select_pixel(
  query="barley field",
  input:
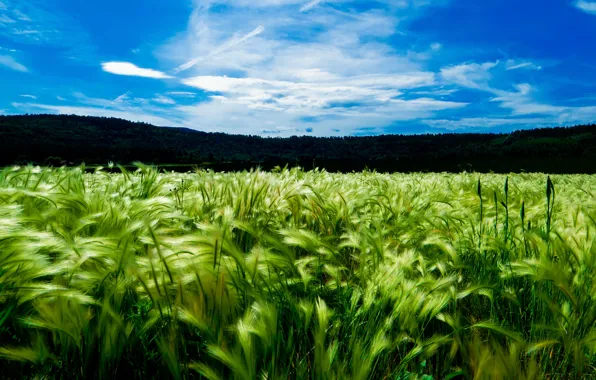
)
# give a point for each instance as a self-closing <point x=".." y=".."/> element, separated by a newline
<point x="296" y="275"/>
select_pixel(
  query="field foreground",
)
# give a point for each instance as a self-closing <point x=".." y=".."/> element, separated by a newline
<point x="296" y="274"/>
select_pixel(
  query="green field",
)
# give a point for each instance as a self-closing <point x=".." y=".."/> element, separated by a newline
<point x="293" y="275"/>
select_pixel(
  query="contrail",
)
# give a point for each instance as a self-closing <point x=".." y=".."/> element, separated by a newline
<point x="310" y="5"/>
<point x="232" y="43"/>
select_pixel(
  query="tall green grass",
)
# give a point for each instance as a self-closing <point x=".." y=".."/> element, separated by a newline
<point x="296" y="274"/>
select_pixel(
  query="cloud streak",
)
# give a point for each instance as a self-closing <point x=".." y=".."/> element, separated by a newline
<point x="163" y="100"/>
<point x="310" y="5"/>
<point x="11" y="63"/>
<point x="515" y="65"/>
<point x="227" y="46"/>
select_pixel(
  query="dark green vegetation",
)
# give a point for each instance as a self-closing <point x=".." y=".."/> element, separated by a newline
<point x="296" y="275"/>
<point x="51" y="140"/>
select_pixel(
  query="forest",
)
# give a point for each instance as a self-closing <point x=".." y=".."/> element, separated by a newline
<point x="55" y="140"/>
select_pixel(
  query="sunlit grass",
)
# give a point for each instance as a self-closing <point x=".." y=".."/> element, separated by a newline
<point x="296" y="274"/>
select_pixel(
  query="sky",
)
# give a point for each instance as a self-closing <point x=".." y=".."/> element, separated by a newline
<point x="304" y="67"/>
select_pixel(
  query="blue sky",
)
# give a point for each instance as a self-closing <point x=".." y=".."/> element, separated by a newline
<point x="296" y="67"/>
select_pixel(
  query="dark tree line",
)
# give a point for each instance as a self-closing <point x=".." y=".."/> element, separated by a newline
<point x="59" y="139"/>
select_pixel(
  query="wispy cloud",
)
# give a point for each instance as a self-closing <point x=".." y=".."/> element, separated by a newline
<point x="471" y="75"/>
<point x="4" y="19"/>
<point x="224" y="47"/>
<point x="28" y="96"/>
<point x="294" y="67"/>
<point x="133" y="115"/>
<point x="11" y="63"/>
<point x="251" y="3"/>
<point x="122" y="98"/>
<point x="33" y="22"/>
<point x="521" y="102"/>
<point x="129" y="69"/>
<point x="124" y="106"/>
<point x="487" y="123"/>
<point x="586" y="6"/>
<point x="163" y="100"/>
<point x="346" y="101"/>
<point x="185" y="94"/>
<point x="21" y="16"/>
<point x="436" y="92"/>
<point x="310" y="5"/>
<point x="335" y="67"/>
<point x="512" y="64"/>
<point x="341" y="95"/>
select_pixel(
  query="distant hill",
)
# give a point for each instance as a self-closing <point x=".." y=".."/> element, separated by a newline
<point x="55" y="139"/>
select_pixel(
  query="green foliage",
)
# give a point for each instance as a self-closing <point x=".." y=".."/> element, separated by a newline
<point x="293" y="274"/>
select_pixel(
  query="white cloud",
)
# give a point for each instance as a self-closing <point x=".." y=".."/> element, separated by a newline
<point x="521" y="102"/>
<point x="129" y="69"/>
<point x="310" y="5"/>
<point x="122" y="98"/>
<point x="515" y="65"/>
<point x="205" y="4"/>
<point x="487" y="123"/>
<point x="349" y="102"/>
<point x="21" y="16"/>
<point x="586" y="6"/>
<point x="32" y="22"/>
<point x="99" y="112"/>
<point x="552" y="118"/>
<point x="329" y="41"/>
<point x="334" y="66"/>
<point x="29" y="96"/>
<point x="163" y="100"/>
<point x="11" y="63"/>
<point x="472" y="75"/>
<point x="437" y="92"/>
<point x="230" y="44"/>
<point x="60" y="98"/>
<point x="184" y="94"/>
<point x="124" y="107"/>
<point x="312" y="98"/>
<point x="399" y="4"/>
<point x="4" y="19"/>
<point x="225" y="115"/>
